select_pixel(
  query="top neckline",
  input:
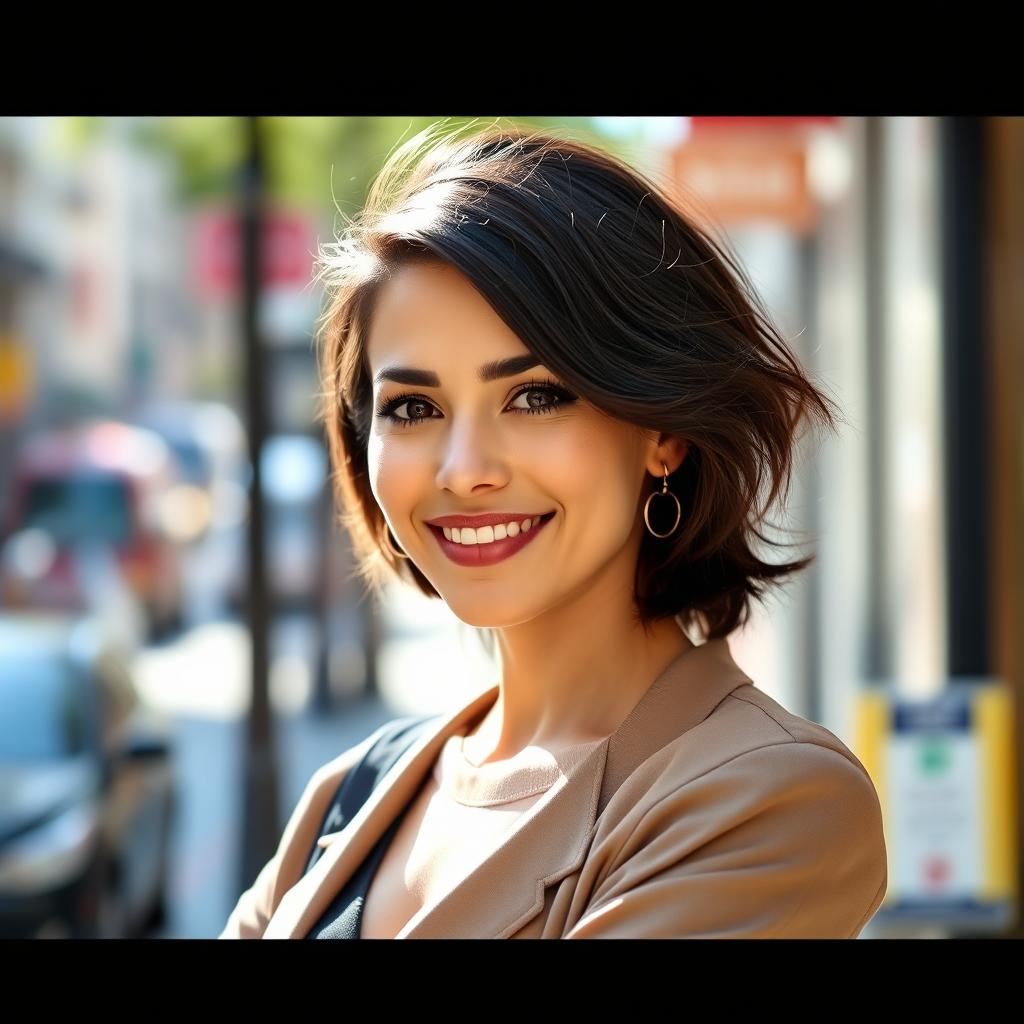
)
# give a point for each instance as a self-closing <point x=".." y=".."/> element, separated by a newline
<point x="532" y="771"/>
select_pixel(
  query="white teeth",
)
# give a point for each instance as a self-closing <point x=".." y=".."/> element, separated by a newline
<point x="487" y="534"/>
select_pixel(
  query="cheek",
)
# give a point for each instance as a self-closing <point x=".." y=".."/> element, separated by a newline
<point x="586" y="462"/>
<point x="591" y="473"/>
<point x="374" y="458"/>
<point x="393" y="471"/>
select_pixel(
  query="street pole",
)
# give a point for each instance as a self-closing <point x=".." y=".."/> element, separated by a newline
<point x="261" y="824"/>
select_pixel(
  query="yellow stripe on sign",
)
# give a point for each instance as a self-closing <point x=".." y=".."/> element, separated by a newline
<point x="871" y="730"/>
<point x="993" y="716"/>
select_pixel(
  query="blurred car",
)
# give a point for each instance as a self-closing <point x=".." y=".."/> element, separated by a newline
<point x="208" y="441"/>
<point x="87" y="797"/>
<point x="101" y="487"/>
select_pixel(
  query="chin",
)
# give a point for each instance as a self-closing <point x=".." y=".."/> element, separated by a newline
<point x="489" y="615"/>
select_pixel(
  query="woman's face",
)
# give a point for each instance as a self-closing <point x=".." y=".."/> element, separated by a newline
<point x="470" y="446"/>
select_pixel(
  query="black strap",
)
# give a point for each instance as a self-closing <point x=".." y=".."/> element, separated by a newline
<point x="360" y="781"/>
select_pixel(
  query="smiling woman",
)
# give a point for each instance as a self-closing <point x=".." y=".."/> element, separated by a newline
<point x="552" y="401"/>
<point x="516" y="245"/>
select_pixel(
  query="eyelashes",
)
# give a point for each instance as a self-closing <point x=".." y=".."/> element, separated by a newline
<point x="387" y="409"/>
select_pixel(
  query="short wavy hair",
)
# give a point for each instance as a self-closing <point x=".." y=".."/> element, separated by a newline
<point x="625" y="295"/>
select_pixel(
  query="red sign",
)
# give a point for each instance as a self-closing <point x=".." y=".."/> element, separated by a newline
<point x="288" y="244"/>
<point x="726" y="121"/>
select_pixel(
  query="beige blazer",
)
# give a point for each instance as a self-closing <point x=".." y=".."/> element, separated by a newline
<point x="710" y="812"/>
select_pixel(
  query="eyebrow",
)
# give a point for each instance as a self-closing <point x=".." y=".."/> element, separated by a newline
<point x="428" y="379"/>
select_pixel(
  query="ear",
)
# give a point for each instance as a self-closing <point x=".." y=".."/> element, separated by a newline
<point x="667" y="450"/>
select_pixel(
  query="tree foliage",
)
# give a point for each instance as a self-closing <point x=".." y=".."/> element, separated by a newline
<point x="311" y="163"/>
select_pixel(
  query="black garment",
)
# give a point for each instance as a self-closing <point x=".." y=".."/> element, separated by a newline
<point x="343" y="917"/>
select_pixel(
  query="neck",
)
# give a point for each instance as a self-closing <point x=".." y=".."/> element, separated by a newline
<point x="553" y="693"/>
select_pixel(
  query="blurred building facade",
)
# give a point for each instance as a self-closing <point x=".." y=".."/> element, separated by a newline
<point x="31" y="199"/>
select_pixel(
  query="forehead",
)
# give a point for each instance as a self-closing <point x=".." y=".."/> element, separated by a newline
<point x="433" y="311"/>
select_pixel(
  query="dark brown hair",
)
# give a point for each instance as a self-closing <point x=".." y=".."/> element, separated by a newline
<point x="625" y="296"/>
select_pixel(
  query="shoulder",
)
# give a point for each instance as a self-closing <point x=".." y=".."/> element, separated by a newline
<point x="748" y="727"/>
<point x="375" y="752"/>
<point x="753" y="823"/>
<point x="258" y="903"/>
<point x="750" y="754"/>
<point x="372" y="756"/>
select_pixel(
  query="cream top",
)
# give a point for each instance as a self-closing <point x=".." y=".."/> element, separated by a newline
<point x="532" y="772"/>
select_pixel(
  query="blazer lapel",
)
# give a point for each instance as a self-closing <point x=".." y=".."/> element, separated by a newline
<point x="302" y="905"/>
<point x="548" y="841"/>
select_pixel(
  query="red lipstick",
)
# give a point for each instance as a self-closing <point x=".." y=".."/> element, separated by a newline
<point x="472" y="555"/>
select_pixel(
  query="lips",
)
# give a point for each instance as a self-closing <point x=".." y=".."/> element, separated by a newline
<point x="471" y="555"/>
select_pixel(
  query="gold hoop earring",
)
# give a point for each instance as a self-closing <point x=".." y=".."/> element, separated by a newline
<point x="664" y="492"/>
<point x="387" y="540"/>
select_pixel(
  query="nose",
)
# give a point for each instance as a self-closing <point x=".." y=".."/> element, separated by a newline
<point x="471" y="457"/>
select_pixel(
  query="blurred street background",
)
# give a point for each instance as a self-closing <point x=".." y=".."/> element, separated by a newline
<point x="182" y="642"/>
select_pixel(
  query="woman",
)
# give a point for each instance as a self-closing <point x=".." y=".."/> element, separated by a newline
<point x="554" y="402"/>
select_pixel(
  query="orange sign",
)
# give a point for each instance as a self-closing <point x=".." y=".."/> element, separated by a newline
<point x="743" y="177"/>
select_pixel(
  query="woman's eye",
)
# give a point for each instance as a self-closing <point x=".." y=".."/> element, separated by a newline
<point x="554" y="397"/>
<point x="413" y="403"/>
